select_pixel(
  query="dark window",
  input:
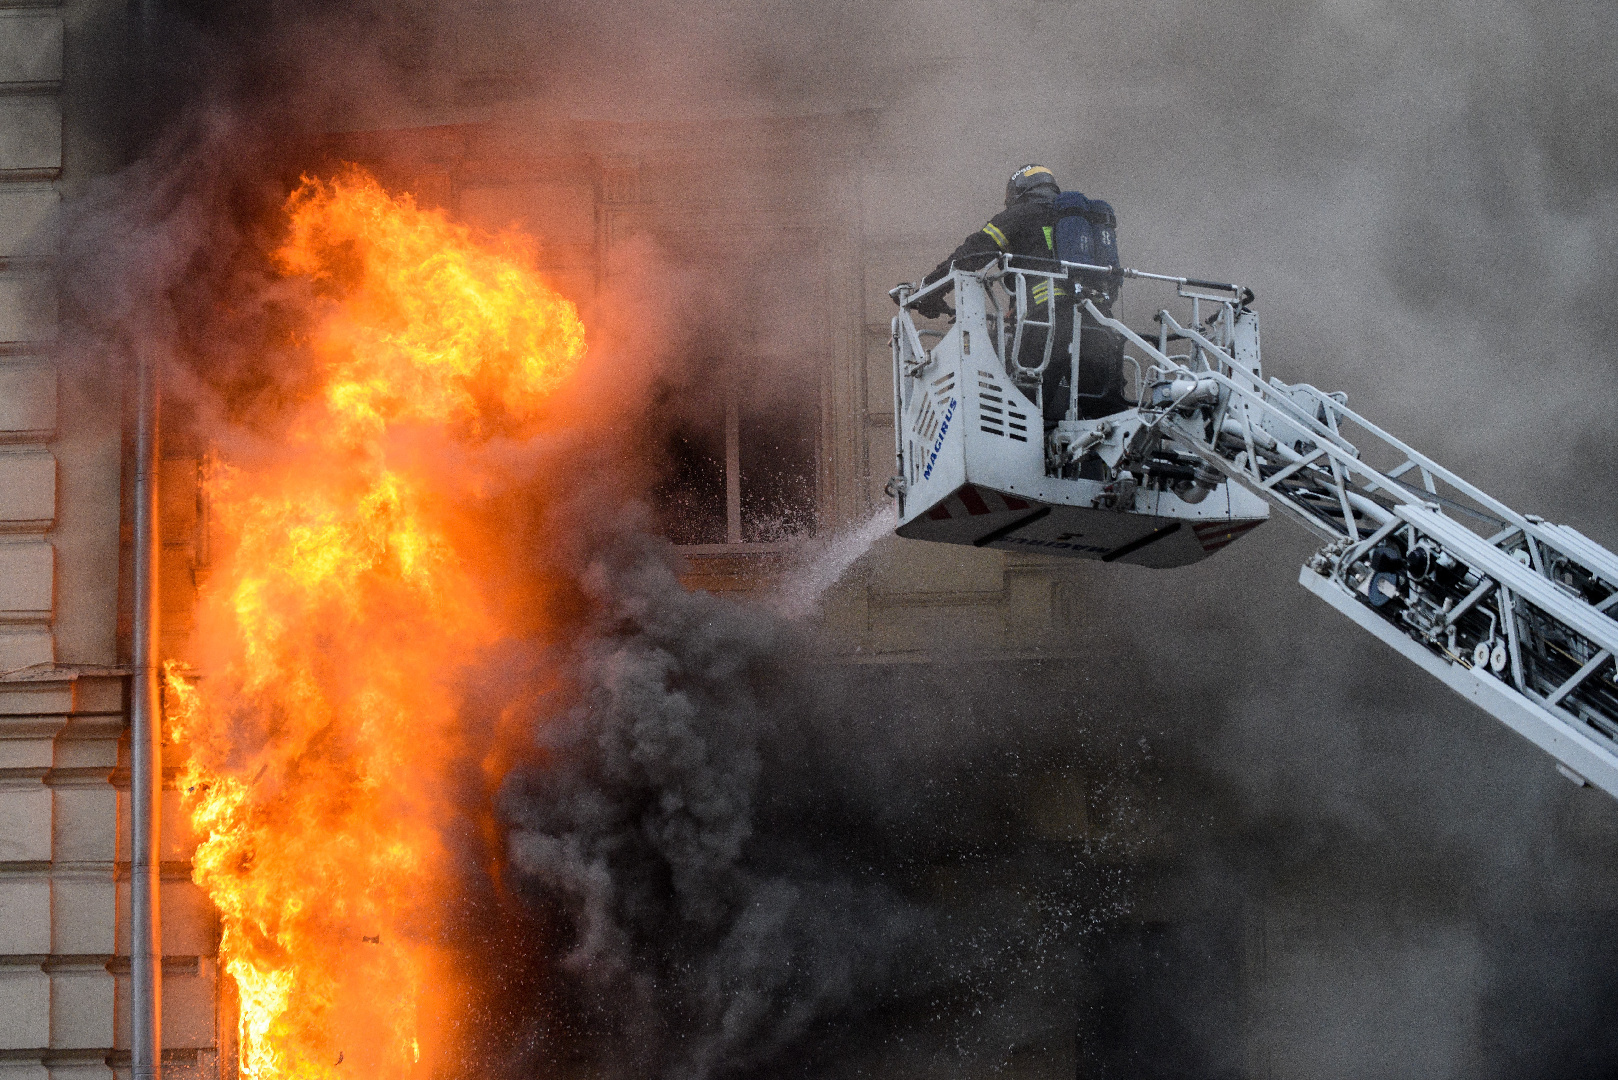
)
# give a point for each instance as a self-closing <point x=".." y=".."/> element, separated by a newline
<point x="737" y="472"/>
<point x="691" y="498"/>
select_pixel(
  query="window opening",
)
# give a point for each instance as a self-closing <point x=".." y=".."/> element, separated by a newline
<point x="739" y="472"/>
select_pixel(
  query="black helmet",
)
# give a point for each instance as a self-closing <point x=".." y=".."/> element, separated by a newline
<point x="1028" y="179"/>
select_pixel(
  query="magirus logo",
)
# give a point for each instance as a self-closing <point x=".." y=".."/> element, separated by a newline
<point x="938" y="442"/>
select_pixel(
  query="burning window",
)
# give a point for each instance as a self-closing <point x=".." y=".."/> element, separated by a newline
<point x="739" y="470"/>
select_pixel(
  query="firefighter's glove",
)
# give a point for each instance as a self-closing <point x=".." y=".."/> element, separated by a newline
<point x="932" y="306"/>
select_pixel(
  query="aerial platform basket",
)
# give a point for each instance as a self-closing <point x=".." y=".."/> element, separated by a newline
<point x="976" y="465"/>
<point x="1516" y="613"/>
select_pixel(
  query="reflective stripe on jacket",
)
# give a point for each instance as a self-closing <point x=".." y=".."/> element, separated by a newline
<point x="1026" y="228"/>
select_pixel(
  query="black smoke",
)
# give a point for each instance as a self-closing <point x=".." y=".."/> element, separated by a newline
<point x="704" y="941"/>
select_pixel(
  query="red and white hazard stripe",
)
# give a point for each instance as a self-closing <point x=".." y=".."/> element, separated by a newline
<point x="972" y="501"/>
<point x="1213" y="535"/>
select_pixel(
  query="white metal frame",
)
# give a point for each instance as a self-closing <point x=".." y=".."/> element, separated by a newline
<point x="1512" y="611"/>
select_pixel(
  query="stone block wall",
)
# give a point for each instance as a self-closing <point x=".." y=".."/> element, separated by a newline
<point x="64" y="900"/>
<point x="64" y="783"/>
<point x="32" y="713"/>
<point x="31" y="50"/>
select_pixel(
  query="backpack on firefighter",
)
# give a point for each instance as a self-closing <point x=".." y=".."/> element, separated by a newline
<point x="1086" y="232"/>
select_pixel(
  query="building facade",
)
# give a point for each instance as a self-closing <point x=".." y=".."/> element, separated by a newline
<point x="66" y="474"/>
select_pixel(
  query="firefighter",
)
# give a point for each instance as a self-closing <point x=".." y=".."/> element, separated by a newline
<point x="1027" y="227"/>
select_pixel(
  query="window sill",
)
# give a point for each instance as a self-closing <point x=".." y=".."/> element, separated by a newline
<point x="776" y="547"/>
<point x="732" y="568"/>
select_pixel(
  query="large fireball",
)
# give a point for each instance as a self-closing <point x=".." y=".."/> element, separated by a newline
<point x="347" y="594"/>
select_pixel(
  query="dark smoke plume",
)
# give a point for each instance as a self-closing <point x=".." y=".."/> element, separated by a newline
<point x="703" y="947"/>
<point x="726" y="858"/>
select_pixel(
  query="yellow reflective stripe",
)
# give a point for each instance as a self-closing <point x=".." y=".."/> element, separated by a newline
<point x="995" y="234"/>
<point x="1050" y="244"/>
<point x="1041" y="291"/>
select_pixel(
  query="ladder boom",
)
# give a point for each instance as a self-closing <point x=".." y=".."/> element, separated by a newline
<point x="1511" y="611"/>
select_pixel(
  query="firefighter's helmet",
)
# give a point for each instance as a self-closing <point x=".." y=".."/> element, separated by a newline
<point x="1028" y="179"/>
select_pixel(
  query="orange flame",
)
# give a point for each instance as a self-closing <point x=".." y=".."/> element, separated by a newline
<point x="348" y="596"/>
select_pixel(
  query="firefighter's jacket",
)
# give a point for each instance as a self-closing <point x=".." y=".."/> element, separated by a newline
<point x="1027" y="227"/>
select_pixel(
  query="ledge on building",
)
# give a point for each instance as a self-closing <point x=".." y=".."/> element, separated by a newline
<point x="61" y="673"/>
<point x="733" y="568"/>
<point x="30" y="695"/>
